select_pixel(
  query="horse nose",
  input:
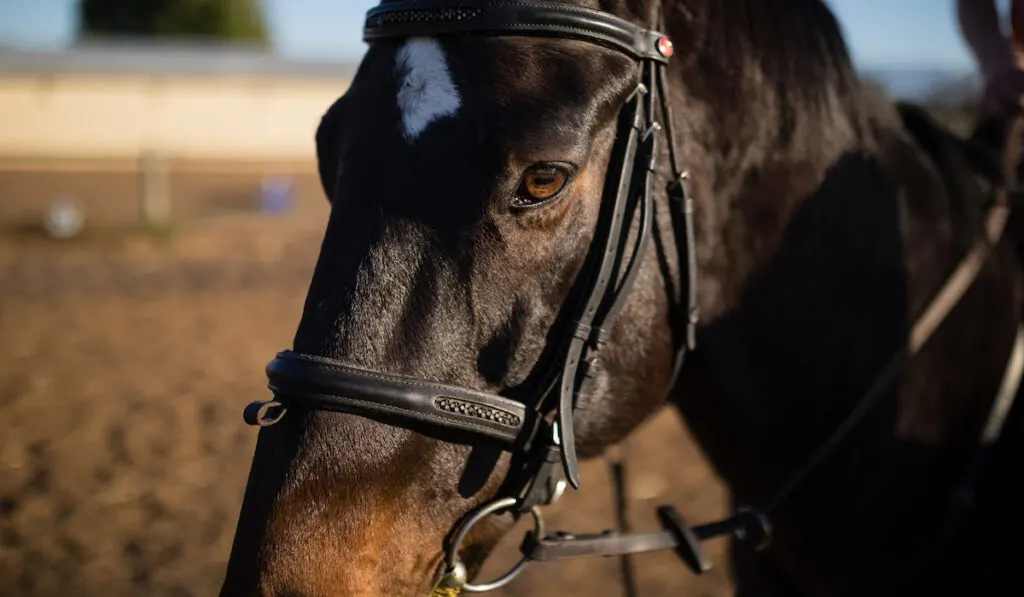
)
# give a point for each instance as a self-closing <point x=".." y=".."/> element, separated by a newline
<point x="323" y="521"/>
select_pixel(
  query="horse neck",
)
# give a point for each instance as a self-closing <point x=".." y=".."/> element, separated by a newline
<point x="749" y="175"/>
<point x="804" y="241"/>
<point x="757" y="161"/>
<point x="765" y="108"/>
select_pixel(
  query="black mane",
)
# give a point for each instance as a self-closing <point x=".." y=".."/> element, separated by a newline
<point x="787" y="58"/>
<point x="797" y="44"/>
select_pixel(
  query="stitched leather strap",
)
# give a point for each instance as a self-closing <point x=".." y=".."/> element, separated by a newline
<point x="404" y="18"/>
<point x="607" y="245"/>
<point x="676" y="534"/>
<point x="323" y="384"/>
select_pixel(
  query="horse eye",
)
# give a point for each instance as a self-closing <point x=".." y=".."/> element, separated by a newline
<point x="541" y="182"/>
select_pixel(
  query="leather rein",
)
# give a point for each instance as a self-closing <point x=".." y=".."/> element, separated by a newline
<point x="541" y="436"/>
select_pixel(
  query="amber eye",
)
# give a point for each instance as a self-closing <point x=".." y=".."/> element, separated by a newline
<point x="541" y="182"/>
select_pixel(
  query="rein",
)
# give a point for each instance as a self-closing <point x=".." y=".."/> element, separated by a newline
<point x="541" y="435"/>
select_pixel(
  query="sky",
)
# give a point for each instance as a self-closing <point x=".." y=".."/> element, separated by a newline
<point x="881" y="33"/>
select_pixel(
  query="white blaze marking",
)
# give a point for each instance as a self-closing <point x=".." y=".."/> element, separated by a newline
<point x="427" y="93"/>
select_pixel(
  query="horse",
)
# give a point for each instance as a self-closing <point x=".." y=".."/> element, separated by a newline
<point x="549" y="219"/>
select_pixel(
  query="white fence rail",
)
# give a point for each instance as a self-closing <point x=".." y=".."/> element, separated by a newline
<point x="124" y="117"/>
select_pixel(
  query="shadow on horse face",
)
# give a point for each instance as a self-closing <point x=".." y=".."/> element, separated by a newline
<point x="443" y="259"/>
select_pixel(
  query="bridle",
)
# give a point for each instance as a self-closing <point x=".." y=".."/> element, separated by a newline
<point x="540" y="436"/>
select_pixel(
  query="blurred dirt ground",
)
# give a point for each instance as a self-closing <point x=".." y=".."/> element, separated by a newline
<point x="125" y="362"/>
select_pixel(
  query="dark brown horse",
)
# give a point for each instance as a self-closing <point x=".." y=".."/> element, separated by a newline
<point x="468" y="177"/>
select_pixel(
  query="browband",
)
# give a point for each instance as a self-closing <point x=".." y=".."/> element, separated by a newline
<point x="407" y="18"/>
<point x="325" y="384"/>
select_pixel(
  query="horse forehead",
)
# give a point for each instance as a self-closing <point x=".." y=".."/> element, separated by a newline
<point x="426" y="91"/>
<point x="517" y="78"/>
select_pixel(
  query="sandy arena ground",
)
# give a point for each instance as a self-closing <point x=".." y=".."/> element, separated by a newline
<point x="126" y="360"/>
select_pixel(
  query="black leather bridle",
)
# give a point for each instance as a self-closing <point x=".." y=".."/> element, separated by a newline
<point x="540" y="436"/>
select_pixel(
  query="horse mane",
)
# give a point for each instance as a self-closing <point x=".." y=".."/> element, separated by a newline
<point x="843" y="213"/>
<point x="786" y="56"/>
<point x="781" y="35"/>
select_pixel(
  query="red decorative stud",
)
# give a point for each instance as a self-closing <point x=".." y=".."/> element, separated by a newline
<point x="666" y="47"/>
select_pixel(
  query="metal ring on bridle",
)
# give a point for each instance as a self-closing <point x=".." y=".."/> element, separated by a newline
<point x="455" y="573"/>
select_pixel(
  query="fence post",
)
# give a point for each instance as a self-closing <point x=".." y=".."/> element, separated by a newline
<point x="155" y="194"/>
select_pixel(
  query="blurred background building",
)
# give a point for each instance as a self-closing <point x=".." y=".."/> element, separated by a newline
<point x="145" y="102"/>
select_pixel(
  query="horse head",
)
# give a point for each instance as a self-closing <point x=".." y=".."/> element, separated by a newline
<point x="507" y="279"/>
<point x="471" y="180"/>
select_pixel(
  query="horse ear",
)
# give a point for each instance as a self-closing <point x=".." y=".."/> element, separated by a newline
<point x="328" y="136"/>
